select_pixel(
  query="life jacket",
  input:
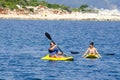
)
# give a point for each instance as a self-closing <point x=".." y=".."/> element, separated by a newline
<point x="53" y="52"/>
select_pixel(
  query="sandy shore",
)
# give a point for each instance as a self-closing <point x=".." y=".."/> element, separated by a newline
<point x="101" y="16"/>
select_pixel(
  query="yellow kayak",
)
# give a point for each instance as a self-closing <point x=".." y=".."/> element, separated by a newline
<point x="92" y="56"/>
<point x="57" y="59"/>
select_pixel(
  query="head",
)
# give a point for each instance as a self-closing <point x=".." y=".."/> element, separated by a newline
<point x="52" y="43"/>
<point x="91" y="45"/>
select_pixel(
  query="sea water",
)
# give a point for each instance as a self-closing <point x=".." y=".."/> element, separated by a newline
<point x="23" y="43"/>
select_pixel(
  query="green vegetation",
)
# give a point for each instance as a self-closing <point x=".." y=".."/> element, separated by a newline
<point x="83" y="8"/>
<point x="54" y="6"/>
<point x="12" y="4"/>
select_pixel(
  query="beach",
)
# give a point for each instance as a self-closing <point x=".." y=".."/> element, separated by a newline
<point x="101" y="15"/>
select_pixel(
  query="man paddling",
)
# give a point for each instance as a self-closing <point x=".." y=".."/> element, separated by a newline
<point x="91" y="50"/>
<point x="54" y="51"/>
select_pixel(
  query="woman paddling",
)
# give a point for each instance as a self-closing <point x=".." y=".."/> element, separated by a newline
<point x="54" y="51"/>
<point x="91" y="50"/>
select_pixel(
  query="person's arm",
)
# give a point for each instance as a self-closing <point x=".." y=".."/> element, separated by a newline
<point x="51" y="48"/>
<point x="60" y="53"/>
<point x="97" y="52"/>
<point x="86" y="53"/>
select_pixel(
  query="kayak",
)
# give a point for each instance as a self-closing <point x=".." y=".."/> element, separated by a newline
<point x="92" y="56"/>
<point x="67" y="58"/>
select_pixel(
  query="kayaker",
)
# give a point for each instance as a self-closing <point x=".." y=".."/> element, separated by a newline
<point x="91" y="50"/>
<point x="54" y="51"/>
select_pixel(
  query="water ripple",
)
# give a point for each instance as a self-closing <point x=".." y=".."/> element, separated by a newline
<point x="22" y="44"/>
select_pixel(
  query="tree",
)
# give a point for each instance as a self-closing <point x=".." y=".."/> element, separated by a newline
<point x="64" y="7"/>
<point x="83" y="7"/>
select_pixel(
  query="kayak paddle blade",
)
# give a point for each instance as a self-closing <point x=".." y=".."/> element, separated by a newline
<point x="75" y="52"/>
<point x="48" y="36"/>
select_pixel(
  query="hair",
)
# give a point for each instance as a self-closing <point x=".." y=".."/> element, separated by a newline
<point x="53" y="42"/>
<point x="92" y="43"/>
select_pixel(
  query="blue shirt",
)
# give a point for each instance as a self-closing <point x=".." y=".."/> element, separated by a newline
<point x="53" y="52"/>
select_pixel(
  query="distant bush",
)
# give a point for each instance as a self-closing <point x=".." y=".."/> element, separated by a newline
<point x="31" y="10"/>
<point x="83" y="7"/>
<point x="12" y="3"/>
<point x="9" y="5"/>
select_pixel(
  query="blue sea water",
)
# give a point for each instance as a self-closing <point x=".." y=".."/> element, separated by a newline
<point x="23" y="43"/>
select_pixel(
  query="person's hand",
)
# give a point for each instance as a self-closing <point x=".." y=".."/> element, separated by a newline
<point x="62" y="53"/>
<point x="55" y="45"/>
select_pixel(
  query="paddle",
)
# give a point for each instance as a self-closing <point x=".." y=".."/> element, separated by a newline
<point x="49" y="37"/>
<point x="75" y="52"/>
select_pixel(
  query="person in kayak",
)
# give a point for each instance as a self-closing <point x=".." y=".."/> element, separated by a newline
<point x="54" y="51"/>
<point x="91" y="50"/>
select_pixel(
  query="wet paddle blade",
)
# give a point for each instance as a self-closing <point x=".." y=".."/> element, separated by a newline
<point x="48" y="36"/>
<point x="75" y="52"/>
